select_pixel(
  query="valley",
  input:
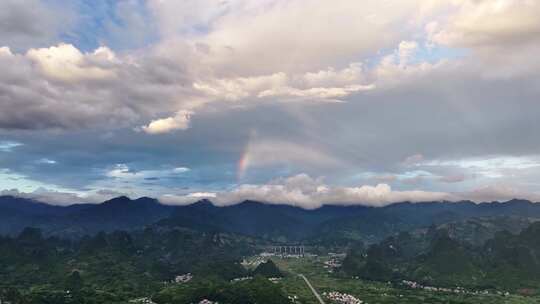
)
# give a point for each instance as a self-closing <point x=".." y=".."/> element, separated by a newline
<point x="375" y="292"/>
<point x="435" y="253"/>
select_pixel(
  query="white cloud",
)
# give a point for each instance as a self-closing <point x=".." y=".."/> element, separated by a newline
<point x="325" y="94"/>
<point x="225" y="62"/>
<point x="63" y="198"/>
<point x="406" y="50"/>
<point x="122" y="171"/>
<point x="8" y="146"/>
<point x="5" y="51"/>
<point x="254" y="38"/>
<point x="241" y="87"/>
<point x="489" y="167"/>
<point x="493" y="162"/>
<point x="305" y="192"/>
<point x="501" y="23"/>
<point x="122" y="178"/>
<point x="300" y="191"/>
<point x="179" y="17"/>
<point x="164" y="125"/>
<point x="61" y="87"/>
<point x="181" y="170"/>
<point x="500" y="192"/>
<point x="171" y="199"/>
<point x="311" y="193"/>
<point x="65" y="62"/>
<point x="46" y="161"/>
<point x="322" y="85"/>
<point x="501" y="35"/>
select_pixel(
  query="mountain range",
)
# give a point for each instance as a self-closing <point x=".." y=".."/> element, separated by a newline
<point x="328" y="224"/>
<point x="437" y="257"/>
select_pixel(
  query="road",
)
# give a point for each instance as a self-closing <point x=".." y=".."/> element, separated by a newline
<point x="315" y="293"/>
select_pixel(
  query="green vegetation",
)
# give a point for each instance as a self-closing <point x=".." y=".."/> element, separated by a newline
<point x="484" y="258"/>
<point x="374" y="292"/>
<point x="111" y="268"/>
<point x="268" y="269"/>
<point x="256" y="290"/>
<point x="506" y="262"/>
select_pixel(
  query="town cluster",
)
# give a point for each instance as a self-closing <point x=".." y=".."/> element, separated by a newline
<point x="184" y="278"/>
<point x="341" y="298"/>
<point x="254" y="262"/>
<point x="142" y="301"/>
<point x="415" y="285"/>
<point x="332" y="263"/>
<point x="241" y="279"/>
<point x="205" y="301"/>
<point x="149" y="301"/>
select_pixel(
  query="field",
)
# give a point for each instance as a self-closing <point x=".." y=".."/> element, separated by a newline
<point x="371" y="292"/>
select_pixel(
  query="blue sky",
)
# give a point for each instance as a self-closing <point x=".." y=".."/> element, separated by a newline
<point x="298" y="102"/>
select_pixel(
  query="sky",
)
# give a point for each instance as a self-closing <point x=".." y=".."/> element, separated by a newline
<point x="302" y="102"/>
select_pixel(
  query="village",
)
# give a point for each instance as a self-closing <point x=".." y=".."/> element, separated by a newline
<point x="341" y="298"/>
<point x="294" y="259"/>
<point x="457" y="290"/>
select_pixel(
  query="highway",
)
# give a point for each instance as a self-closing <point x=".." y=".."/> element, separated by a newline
<point x="315" y="293"/>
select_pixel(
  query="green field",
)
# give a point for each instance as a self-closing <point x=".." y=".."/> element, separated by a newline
<point x="371" y="292"/>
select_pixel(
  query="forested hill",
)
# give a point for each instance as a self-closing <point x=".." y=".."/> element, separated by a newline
<point x="437" y="258"/>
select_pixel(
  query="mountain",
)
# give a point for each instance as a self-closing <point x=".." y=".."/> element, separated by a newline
<point x="478" y="230"/>
<point x="506" y="261"/>
<point x="374" y="224"/>
<point x="120" y="213"/>
<point x="17" y="213"/>
<point x="113" y="267"/>
<point x="328" y="225"/>
<point x="268" y="269"/>
<point x="123" y="247"/>
<point x="252" y="218"/>
<point x="448" y="262"/>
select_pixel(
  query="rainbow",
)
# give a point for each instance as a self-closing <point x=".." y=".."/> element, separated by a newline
<point x="243" y="164"/>
<point x="246" y="158"/>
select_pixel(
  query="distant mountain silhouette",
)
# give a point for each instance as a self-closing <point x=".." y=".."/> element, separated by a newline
<point x="333" y="224"/>
<point x="120" y="213"/>
<point x="17" y="213"/>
